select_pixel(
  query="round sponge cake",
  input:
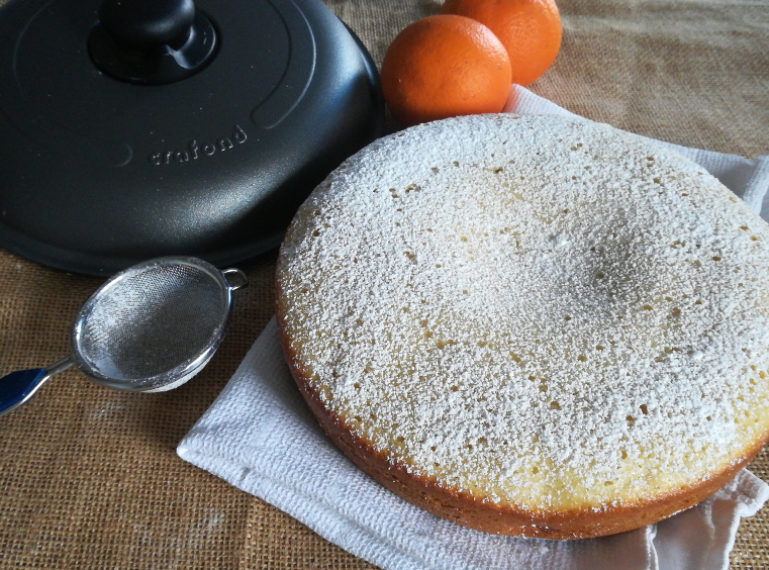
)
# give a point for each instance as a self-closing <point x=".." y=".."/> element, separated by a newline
<point x="534" y="325"/>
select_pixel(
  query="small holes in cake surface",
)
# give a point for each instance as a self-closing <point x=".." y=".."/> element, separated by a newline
<point x="600" y="357"/>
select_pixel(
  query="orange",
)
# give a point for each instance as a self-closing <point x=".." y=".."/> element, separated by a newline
<point x="442" y="66"/>
<point x="529" y="29"/>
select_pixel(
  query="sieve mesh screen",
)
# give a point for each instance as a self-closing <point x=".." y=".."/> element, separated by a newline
<point x="157" y="321"/>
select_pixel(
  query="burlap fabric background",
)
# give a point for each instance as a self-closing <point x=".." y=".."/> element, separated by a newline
<point x="88" y="475"/>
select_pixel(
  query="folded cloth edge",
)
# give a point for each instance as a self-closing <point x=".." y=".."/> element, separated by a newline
<point x="203" y="447"/>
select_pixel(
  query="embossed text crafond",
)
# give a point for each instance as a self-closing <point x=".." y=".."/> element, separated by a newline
<point x="195" y="150"/>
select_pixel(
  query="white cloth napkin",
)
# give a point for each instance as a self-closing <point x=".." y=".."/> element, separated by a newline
<point x="259" y="436"/>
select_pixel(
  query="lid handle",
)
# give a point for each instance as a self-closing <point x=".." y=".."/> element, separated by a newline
<point x="151" y="41"/>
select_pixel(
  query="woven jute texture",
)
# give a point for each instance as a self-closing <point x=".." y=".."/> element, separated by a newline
<point x="88" y="475"/>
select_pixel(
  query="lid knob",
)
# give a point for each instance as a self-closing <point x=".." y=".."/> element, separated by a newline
<point x="146" y="24"/>
<point x="151" y="41"/>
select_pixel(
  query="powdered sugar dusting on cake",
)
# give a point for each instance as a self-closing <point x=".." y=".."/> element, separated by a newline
<point x="537" y="310"/>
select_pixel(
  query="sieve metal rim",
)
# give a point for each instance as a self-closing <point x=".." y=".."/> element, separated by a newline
<point x="185" y="370"/>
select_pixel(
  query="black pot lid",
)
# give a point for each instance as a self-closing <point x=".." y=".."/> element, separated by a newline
<point x="120" y="140"/>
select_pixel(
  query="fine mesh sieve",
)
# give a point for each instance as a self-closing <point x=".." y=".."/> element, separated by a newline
<point x="149" y="328"/>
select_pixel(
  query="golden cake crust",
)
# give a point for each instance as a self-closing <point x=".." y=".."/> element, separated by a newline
<point x="466" y="510"/>
<point x="603" y="456"/>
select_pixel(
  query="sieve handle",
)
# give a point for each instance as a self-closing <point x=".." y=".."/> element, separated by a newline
<point x="18" y="387"/>
<point x="236" y="278"/>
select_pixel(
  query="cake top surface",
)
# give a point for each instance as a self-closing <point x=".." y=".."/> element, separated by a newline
<point x="536" y="310"/>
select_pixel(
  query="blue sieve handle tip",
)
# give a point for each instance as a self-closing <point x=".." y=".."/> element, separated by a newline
<point x="17" y="387"/>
